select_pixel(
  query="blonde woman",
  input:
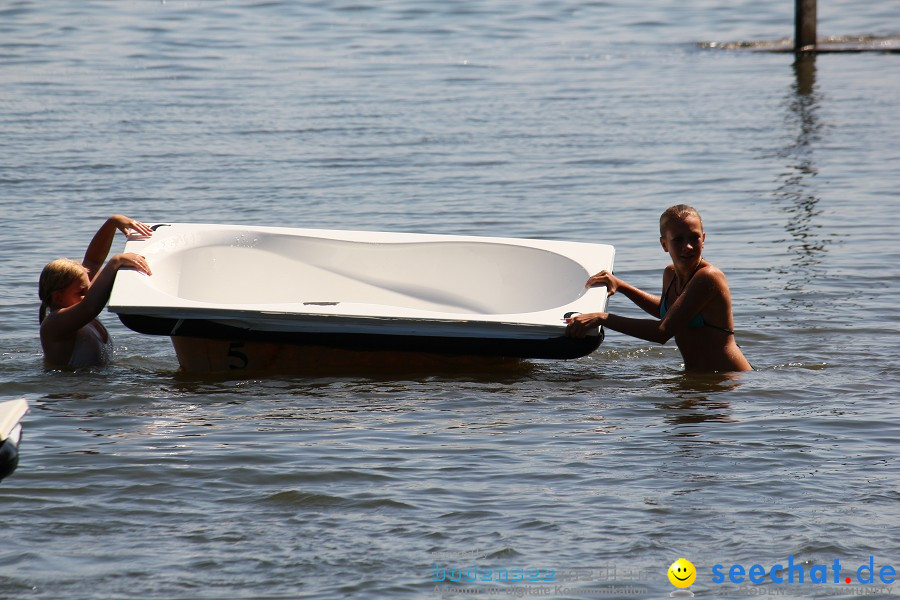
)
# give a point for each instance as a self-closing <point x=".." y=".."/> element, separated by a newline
<point x="72" y="295"/>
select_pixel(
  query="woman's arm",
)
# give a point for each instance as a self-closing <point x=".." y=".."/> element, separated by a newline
<point x="646" y="302"/>
<point x="66" y="321"/>
<point x="645" y="329"/>
<point x="698" y="293"/>
<point x="102" y="241"/>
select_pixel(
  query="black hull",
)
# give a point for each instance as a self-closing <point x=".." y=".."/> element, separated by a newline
<point x="548" y="348"/>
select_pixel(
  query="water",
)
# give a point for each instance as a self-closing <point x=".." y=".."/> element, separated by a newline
<point x="548" y="119"/>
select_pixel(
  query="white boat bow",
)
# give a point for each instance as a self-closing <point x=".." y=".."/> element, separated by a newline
<point x="11" y="413"/>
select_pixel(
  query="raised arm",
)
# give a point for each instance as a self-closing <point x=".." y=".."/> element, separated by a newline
<point x="646" y="302"/>
<point x="66" y="321"/>
<point x="102" y="241"/>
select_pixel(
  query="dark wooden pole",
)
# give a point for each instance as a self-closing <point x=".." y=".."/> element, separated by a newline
<point x="804" y="25"/>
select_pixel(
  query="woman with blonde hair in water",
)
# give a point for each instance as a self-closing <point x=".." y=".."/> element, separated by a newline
<point x="695" y="306"/>
<point x="75" y="293"/>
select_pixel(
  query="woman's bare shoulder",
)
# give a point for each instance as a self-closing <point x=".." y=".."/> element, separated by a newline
<point x="63" y="324"/>
<point x="712" y="276"/>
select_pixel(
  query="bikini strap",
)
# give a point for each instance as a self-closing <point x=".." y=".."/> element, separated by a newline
<point x="728" y="331"/>
<point x="665" y="297"/>
<point x="675" y="277"/>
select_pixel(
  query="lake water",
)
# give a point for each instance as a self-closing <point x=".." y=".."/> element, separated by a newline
<point x="548" y="119"/>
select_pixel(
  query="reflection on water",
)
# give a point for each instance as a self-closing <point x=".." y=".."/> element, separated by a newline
<point x="796" y="192"/>
<point x="691" y="411"/>
<point x="693" y="398"/>
<point x="701" y="385"/>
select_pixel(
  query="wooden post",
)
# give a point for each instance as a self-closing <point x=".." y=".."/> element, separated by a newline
<point x="804" y="25"/>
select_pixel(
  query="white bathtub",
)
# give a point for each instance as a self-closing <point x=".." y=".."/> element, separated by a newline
<point x="363" y="290"/>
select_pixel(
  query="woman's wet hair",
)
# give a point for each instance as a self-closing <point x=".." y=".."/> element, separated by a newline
<point x="56" y="276"/>
<point x="679" y="211"/>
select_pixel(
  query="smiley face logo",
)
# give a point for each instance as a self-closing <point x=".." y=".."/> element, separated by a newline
<point x="682" y="573"/>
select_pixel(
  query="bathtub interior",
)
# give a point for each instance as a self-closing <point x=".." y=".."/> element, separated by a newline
<point x="462" y="277"/>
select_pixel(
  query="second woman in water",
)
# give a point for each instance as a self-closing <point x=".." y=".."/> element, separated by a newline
<point x="72" y="295"/>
